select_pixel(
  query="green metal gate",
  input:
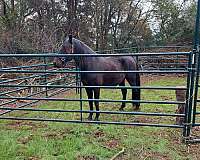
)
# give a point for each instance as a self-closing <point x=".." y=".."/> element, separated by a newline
<point x="192" y="101"/>
<point x="193" y="110"/>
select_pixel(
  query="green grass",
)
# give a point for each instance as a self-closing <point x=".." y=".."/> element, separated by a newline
<point x="21" y="140"/>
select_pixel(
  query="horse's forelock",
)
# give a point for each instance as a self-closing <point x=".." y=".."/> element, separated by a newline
<point x="66" y="41"/>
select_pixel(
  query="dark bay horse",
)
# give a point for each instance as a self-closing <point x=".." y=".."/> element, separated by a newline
<point x="86" y="63"/>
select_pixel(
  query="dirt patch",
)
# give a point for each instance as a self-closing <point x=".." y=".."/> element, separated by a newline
<point x="25" y="124"/>
<point x="141" y="154"/>
<point x="156" y="155"/>
<point x="145" y="120"/>
<point x="166" y="98"/>
<point x="33" y="158"/>
<point x="112" y="144"/>
<point x="8" y="105"/>
<point x="90" y="157"/>
<point x="196" y="129"/>
<point x="56" y="134"/>
<point x="99" y="134"/>
<point x="25" y="140"/>
<point x="194" y="150"/>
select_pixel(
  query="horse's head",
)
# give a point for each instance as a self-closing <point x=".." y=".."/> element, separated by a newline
<point x="66" y="48"/>
<point x="71" y="46"/>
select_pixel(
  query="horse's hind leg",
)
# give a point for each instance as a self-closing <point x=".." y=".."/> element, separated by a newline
<point x="96" y="96"/>
<point x="134" y="80"/>
<point x="124" y="93"/>
<point x="136" y="96"/>
<point x="90" y="96"/>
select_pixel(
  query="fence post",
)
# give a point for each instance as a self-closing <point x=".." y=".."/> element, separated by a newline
<point x="196" y="87"/>
<point x="188" y="99"/>
<point x="196" y="60"/>
<point x="45" y="76"/>
<point x="180" y="96"/>
<point x="190" y="96"/>
<point x="191" y="79"/>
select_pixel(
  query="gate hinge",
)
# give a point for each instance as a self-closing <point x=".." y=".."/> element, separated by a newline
<point x="191" y="69"/>
<point x="191" y="140"/>
<point x="186" y="140"/>
<point x="188" y="124"/>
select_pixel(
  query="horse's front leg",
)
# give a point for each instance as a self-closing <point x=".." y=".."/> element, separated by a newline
<point x="96" y="96"/>
<point x="89" y="92"/>
<point x="124" y="93"/>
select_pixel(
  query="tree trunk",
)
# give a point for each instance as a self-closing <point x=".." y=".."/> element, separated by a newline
<point x="73" y="26"/>
<point x="3" y="8"/>
<point x="12" y="2"/>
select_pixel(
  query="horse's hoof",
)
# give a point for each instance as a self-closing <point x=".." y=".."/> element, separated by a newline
<point x="136" y="109"/>
<point x="96" y="119"/>
<point x="89" y="118"/>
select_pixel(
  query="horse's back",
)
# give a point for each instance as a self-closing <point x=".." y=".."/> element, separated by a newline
<point x="128" y="62"/>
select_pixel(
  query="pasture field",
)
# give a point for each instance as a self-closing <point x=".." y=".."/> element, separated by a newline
<point x="25" y="140"/>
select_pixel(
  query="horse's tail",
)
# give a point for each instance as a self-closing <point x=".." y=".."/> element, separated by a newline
<point x="137" y="76"/>
<point x="137" y="92"/>
<point x="134" y="80"/>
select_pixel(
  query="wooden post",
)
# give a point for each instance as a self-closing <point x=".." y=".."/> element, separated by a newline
<point x="180" y="96"/>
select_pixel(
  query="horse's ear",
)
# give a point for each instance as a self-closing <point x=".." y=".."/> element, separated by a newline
<point x="70" y="39"/>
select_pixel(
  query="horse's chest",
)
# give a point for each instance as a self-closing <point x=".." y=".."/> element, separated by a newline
<point x="92" y="79"/>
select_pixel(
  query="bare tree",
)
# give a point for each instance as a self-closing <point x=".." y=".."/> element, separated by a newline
<point x="42" y="24"/>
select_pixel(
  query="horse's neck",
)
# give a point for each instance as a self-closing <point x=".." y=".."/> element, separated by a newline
<point x="83" y="48"/>
<point x="83" y="61"/>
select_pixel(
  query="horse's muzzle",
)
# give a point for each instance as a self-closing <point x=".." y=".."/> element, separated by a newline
<point x="55" y="64"/>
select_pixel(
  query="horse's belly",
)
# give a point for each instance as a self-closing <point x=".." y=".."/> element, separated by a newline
<point x="113" y="79"/>
<point x="107" y="79"/>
